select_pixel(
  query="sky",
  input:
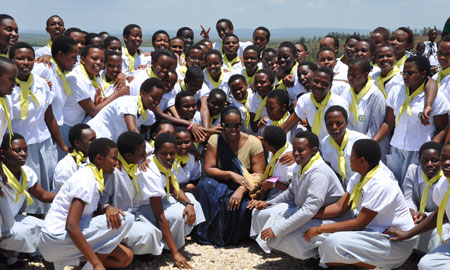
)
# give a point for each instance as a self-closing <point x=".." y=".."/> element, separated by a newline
<point x="113" y="15"/>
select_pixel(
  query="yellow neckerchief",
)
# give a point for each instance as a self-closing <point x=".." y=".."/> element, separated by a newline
<point x="356" y="192"/>
<point x="442" y="74"/>
<point x="6" y="55"/>
<point x="400" y="62"/>
<point x="308" y="165"/>
<point x="183" y="69"/>
<point x="340" y="150"/>
<point x="262" y="105"/>
<point x="281" y="121"/>
<point x="130" y="169"/>
<point x="408" y="100"/>
<point x="357" y="97"/>
<point x="181" y="161"/>
<point x="152" y="143"/>
<point x="280" y="83"/>
<point x="232" y="62"/>
<point x="151" y="73"/>
<point x="441" y="211"/>
<point x="25" y="93"/>
<point x="317" y="123"/>
<point x="79" y="157"/>
<point x="182" y="58"/>
<point x="141" y="110"/>
<point x="5" y="106"/>
<point x="213" y="118"/>
<point x="268" y="172"/>
<point x="62" y="76"/>
<point x="250" y="79"/>
<point x="429" y="182"/>
<point x="170" y="177"/>
<point x="183" y="85"/>
<point x="98" y="175"/>
<point x="49" y="44"/>
<point x="93" y="81"/>
<point x="382" y="81"/>
<point x="15" y="184"/>
<point x="216" y="84"/>
<point x="131" y="58"/>
<point x="244" y="102"/>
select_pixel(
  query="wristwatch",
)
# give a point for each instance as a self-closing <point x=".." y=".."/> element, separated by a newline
<point x="186" y="203"/>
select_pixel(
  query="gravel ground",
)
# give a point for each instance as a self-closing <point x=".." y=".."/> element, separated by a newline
<point x="245" y="256"/>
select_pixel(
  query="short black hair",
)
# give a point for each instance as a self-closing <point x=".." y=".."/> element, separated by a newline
<point x="110" y="39"/>
<point x="229" y="110"/>
<point x="4" y="62"/>
<point x="269" y="73"/>
<point x="271" y="50"/>
<point x="356" y="37"/>
<point x="369" y="150"/>
<point x="188" y="50"/>
<point x="430" y="145"/>
<point x="290" y="45"/>
<point x="6" y="143"/>
<point x="111" y="53"/>
<point x="275" y="136"/>
<point x="365" y="65"/>
<point x="410" y="39"/>
<point x="301" y="43"/>
<point x="236" y="77"/>
<point x="372" y="46"/>
<point x="101" y="147"/>
<point x="5" y="17"/>
<point x="227" y="21"/>
<point x="254" y="48"/>
<point x="194" y="72"/>
<point x="127" y="29"/>
<point x="218" y="92"/>
<point x="148" y="84"/>
<point x="280" y="95"/>
<point x="327" y="71"/>
<point x="216" y="52"/>
<point x="156" y="127"/>
<point x="382" y="31"/>
<point x="160" y="52"/>
<point x="326" y="48"/>
<point x="422" y="63"/>
<point x="182" y="29"/>
<point x="63" y="44"/>
<point x="265" y="29"/>
<point x="384" y="46"/>
<point x="157" y="33"/>
<point x="164" y="138"/>
<point x="181" y="95"/>
<point x="75" y="133"/>
<point x="179" y="129"/>
<point x="19" y="45"/>
<point x="312" y="66"/>
<point x="72" y="30"/>
<point x="85" y="51"/>
<point x="336" y="108"/>
<point x="129" y="142"/>
<point x="336" y="40"/>
<point x="53" y="16"/>
<point x="313" y="140"/>
<point x="89" y="36"/>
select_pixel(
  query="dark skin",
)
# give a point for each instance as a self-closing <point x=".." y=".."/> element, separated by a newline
<point x="184" y="144"/>
<point x="149" y="100"/>
<point x="262" y="86"/>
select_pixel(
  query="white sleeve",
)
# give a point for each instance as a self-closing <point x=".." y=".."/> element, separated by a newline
<point x="151" y="184"/>
<point x="80" y="89"/>
<point x="299" y="108"/>
<point x="84" y="188"/>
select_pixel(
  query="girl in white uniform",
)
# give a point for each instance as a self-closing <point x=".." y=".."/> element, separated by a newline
<point x="264" y="83"/>
<point x="214" y="74"/>
<point x="240" y="91"/>
<point x="365" y="48"/>
<point x="132" y="57"/>
<point x="70" y="231"/>
<point x="187" y="167"/>
<point x="361" y="241"/>
<point x="231" y="62"/>
<point x="170" y="209"/>
<point x="251" y="60"/>
<point x="389" y="74"/>
<point x="8" y="75"/>
<point x="403" y="41"/>
<point x="32" y="116"/>
<point x="21" y="181"/>
<point x="109" y="76"/>
<point x="55" y="28"/>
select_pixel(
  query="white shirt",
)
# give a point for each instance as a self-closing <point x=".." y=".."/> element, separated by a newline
<point x="107" y="91"/>
<point x="338" y="87"/>
<point x="444" y="88"/>
<point x="242" y="46"/>
<point x="413" y="187"/>
<point x="60" y="97"/>
<point x="82" y="185"/>
<point x="295" y="90"/>
<point x="203" y="92"/>
<point x="431" y="49"/>
<point x="254" y="100"/>
<point x="4" y="120"/>
<point x="82" y="89"/>
<point x="340" y="70"/>
<point x="11" y="193"/>
<point x="306" y="109"/>
<point x="139" y="77"/>
<point x="403" y="138"/>
<point x="33" y="128"/>
<point x="394" y="81"/>
<point x="140" y="59"/>
<point x="65" y="168"/>
<point x="223" y="84"/>
<point x="440" y="188"/>
<point x="190" y="171"/>
<point x="46" y="50"/>
<point x="237" y="68"/>
<point x="110" y="121"/>
<point x="381" y="194"/>
<point x="330" y="155"/>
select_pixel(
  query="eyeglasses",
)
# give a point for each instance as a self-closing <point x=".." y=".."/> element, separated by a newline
<point x="230" y="126"/>
<point x="179" y="143"/>
<point x="408" y="73"/>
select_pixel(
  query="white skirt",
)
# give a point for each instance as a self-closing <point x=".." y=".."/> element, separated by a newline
<point x="437" y="259"/>
<point x="23" y="235"/>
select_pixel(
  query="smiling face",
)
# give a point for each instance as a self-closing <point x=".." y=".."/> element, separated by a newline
<point x="251" y="59"/>
<point x="269" y="59"/>
<point x="412" y="77"/>
<point x="17" y="153"/>
<point x="55" y="27"/>
<point x="8" y="80"/>
<point x="108" y="163"/>
<point x="320" y="85"/>
<point x="356" y="78"/>
<point x="196" y="58"/>
<point x="238" y="89"/>
<point x="445" y="160"/>
<point x="188" y="37"/>
<point x="429" y="162"/>
<point x="275" y="110"/>
<point x="349" y="48"/>
<point x="260" y="39"/>
<point x="113" y="67"/>
<point x="216" y="104"/>
<point x="399" y="40"/>
<point x="336" y="125"/>
<point x="161" y="41"/>
<point x="176" y="46"/>
<point x="326" y="59"/>
<point x="262" y="84"/>
<point x="187" y="108"/>
<point x="152" y="98"/>
<point x="362" y="50"/>
<point x="286" y="59"/>
<point x="184" y="143"/>
<point x="166" y="154"/>
<point x="230" y="45"/>
<point x="385" y="58"/>
<point x="213" y="65"/>
<point x="302" y="151"/>
<point x="9" y="33"/>
<point x="232" y="126"/>
<point x="115" y="46"/>
<point x="162" y="66"/>
<point x="443" y="54"/>
<point x="305" y="75"/>
<point x="134" y="39"/>
<point x="94" y="61"/>
<point x="24" y="59"/>
<point x="223" y="29"/>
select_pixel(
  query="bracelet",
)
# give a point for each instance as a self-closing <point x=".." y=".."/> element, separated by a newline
<point x="243" y="188"/>
<point x="319" y="229"/>
<point x="186" y="203"/>
<point x="190" y="125"/>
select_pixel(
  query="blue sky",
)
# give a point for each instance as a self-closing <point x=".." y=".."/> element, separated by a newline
<point x="113" y="15"/>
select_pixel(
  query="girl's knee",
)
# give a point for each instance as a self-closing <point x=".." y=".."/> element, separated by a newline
<point x="124" y="255"/>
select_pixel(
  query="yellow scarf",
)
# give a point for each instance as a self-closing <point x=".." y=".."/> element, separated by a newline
<point x="317" y="123"/>
<point x="281" y="121"/>
<point x="308" y="165"/>
<point x="141" y="110"/>
<point x="5" y="106"/>
<point x="408" y="100"/>
<point x="382" y="81"/>
<point x="429" y="182"/>
<point x="340" y="151"/>
<point x="79" y="157"/>
<point x="213" y="119"/>
<point x="93" y="81"/>
<point x="183" y="85"/>
<point x="216" y="84"/>
<point x="250" y="79"/>
<point x="356" y="192"/>
<point x="49" y="44"/>
<point x="268" y="172"/>
<point x="247" y="119"/>
<point x="98" y="175"/>
<point x="262" y="105"/>
<point x="25" y="93"/>
<point x="131" y="58"/>
<point x="400" y="62"/>
<point x="230" y="63"/>
<point x="280" y="84"/>
<point x="441" y="211"/>
<point x="442" y="74"/>
<point x="180" y="161"/>
<point x="62" y="76"/>
<point x="6" y="55"/>
<point x="182" y="59"/>
<point x="130" y="169"/>
<point x="106" y="84"/>
<point x="151" y="73"/>
<point x="15" y="184"/>
<point x="183" y="69"/>
<point x="356" y="98"/>
<point x="170" y="178"/>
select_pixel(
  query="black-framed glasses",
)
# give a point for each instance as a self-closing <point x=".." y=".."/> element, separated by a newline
<point x="179" y="143"/>
<point x="408" y="73"/>
<point x="230" y="126"/>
